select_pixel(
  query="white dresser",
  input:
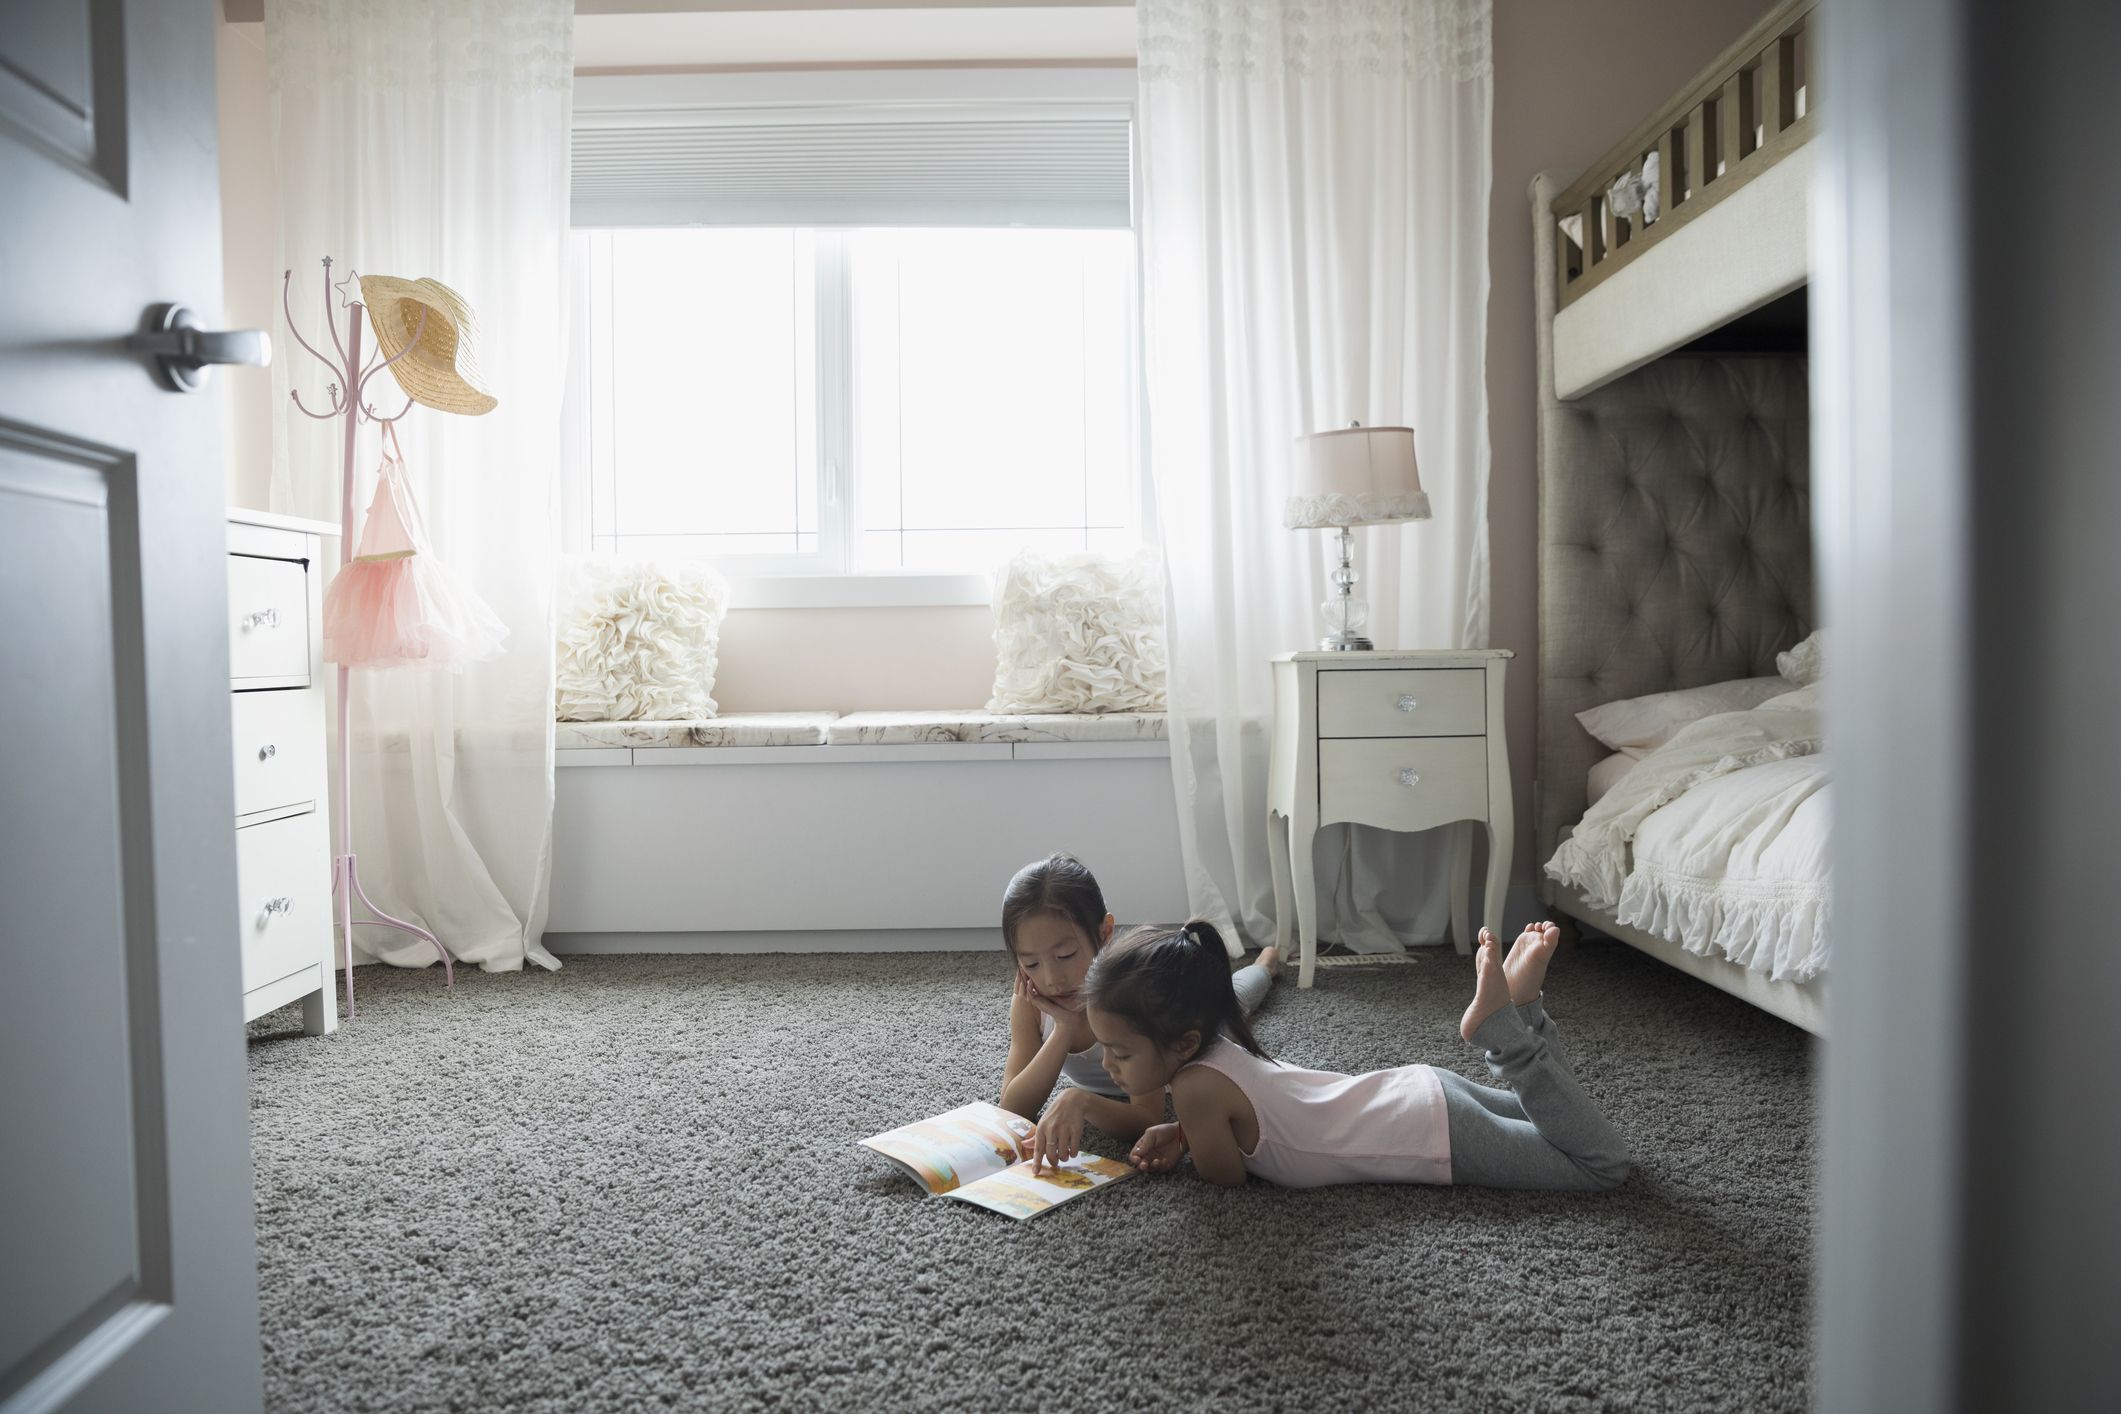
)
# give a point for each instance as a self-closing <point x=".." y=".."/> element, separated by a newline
<point x="1407" y="740"/>
<point x="276" y="690"/>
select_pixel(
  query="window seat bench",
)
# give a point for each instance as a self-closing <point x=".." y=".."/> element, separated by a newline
<point x="816" y="831"/>
<point x="864" y="729"/>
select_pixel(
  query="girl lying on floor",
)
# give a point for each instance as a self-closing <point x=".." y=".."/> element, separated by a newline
<point x="1054" y="923"/>
<point x="1160" y="1001"/>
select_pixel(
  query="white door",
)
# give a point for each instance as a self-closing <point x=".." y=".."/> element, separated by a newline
<point x="127" y="1263"/>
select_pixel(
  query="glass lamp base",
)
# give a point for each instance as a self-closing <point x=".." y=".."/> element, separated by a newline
<point x="1346" y="618"/>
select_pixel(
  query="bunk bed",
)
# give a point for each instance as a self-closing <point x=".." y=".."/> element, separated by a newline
<point x="1675" y="509"/>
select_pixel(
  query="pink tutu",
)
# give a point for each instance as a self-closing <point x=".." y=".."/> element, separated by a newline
<point x="395" y="605"/>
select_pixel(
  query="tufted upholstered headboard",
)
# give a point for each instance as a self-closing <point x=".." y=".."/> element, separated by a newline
<point x="1675" y="538"/>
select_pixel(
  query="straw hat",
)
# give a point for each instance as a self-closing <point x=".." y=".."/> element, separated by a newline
<point x="442" y="371"/>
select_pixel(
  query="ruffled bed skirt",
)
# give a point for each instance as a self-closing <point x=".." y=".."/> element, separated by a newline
<point x="1782" y="928"/>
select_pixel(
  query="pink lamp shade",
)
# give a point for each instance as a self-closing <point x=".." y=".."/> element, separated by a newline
<point x="1356" y="476"/>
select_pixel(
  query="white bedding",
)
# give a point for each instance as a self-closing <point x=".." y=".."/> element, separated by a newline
<point x="1606" y="774"/>
<point x="1718" y="840"/>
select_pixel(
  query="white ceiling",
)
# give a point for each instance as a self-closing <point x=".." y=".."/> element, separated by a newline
<point x="697" y="34"/>
<point x="810" y="37"/>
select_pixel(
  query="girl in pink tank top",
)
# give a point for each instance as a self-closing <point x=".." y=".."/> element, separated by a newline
<point x="1054" y="922"/>
<point x="1161" y="1004"/>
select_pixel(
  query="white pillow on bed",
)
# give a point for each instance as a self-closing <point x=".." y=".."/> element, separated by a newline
<point x="1804" y="699"/>
<point x="1801" y="665"/>
<point x="1639" y="725"/>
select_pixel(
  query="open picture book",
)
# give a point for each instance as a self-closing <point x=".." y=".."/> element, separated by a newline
<point x="978" y="1154"/>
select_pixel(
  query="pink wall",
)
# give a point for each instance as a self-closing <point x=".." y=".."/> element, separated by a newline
<point x="855" y="660"/>
<point x="1570" y="79"/>
<point x="250" y="247"/>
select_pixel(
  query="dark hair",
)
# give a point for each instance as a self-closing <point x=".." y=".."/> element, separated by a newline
<point x="1167" y="981"/>
<point x="1058" y="885"/>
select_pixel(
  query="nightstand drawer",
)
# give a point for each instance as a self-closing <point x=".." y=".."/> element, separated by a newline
<point x="1403" y="785"/>
<point x="1415" y="702"/>
<point x="283" y="892"/>
<point x="279" y="739"/>
<point x="268" y="620"/>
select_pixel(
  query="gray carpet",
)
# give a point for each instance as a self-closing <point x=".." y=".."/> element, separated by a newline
<point x="634" y="1184"/>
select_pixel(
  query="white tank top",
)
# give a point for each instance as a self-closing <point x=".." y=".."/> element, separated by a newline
<point x="1084" y="1069"/>
<point x="1318" y="1127"/>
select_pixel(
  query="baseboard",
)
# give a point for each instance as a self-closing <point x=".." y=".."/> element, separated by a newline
<point x="1521" y="907"/>
<point x="782" y="940"/>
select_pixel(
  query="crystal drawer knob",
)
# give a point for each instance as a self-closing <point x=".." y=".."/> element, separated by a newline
<point x="268" y="751"/>
<point x="1407" y="703"/>
<point x="1408" y="776"/>
<point x="264" y="618"/>
<point x="282" y="904"/>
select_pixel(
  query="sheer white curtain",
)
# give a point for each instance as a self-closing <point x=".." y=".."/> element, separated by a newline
<point x="1314" y="184"/>
<point x="430" y="137"/>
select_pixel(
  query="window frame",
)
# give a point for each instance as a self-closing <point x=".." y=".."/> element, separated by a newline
<point x="826" y="578"/>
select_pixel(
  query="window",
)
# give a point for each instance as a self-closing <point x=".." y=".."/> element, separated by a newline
<point x="817" y="401"/>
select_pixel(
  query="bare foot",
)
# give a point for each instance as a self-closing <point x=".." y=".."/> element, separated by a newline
<point x="1270" y="958"/>
<point x="1526" y="966"/>
<point x="1491" y="988"/>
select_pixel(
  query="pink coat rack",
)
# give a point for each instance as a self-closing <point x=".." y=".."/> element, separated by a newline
<point x="348" y="393"/>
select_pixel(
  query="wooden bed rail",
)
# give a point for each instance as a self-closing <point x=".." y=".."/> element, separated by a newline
<point x="1737" y="118"/>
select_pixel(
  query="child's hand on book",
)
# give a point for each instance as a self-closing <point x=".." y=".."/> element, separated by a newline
<point x="1159" y="1149"/>
<point x="1060" y="1131"/>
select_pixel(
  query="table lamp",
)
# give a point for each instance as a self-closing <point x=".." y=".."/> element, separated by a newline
<point x="1352" y="476"/>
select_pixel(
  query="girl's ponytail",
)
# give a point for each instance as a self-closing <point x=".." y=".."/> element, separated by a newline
<point x="1213" y="959"/>
<point x="1168" y="981"/>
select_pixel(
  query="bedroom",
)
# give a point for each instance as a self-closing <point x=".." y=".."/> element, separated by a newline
<point x="694" y="880"/>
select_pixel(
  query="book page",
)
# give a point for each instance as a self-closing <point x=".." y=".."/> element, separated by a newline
<point x="957" y="1147"/>
<point x="1014" y="1191"/>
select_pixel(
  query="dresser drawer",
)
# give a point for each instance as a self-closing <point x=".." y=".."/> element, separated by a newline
<point x="1412" y="702"/>
<point x="283" y="892"/>
<point x="1410" y="784"/>
<point x="279" y="740"/>
<point x="268" y="619"/>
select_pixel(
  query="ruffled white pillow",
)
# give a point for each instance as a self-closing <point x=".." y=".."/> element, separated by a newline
<point x="1801" y="665"/>
<point x="1636" y="726"/>
<point x="637" y="639"/>
<point x="1079" y="633"/>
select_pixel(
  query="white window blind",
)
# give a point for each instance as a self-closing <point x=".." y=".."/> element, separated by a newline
<point x="1049" y="164"/>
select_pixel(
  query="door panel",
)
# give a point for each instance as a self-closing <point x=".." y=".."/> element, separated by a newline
<point x="62" y="82"/>
<point x="72" y="1251"/>
<point x="127" y="1261"/>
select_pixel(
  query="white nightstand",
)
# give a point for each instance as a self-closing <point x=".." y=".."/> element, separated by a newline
<point x="276" y="696"/>
<point x="1400" y="740"/>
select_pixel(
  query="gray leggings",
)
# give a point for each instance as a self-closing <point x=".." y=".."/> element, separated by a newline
<point x="1250" y="982"/>
<point x="1547" y="1134"/>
